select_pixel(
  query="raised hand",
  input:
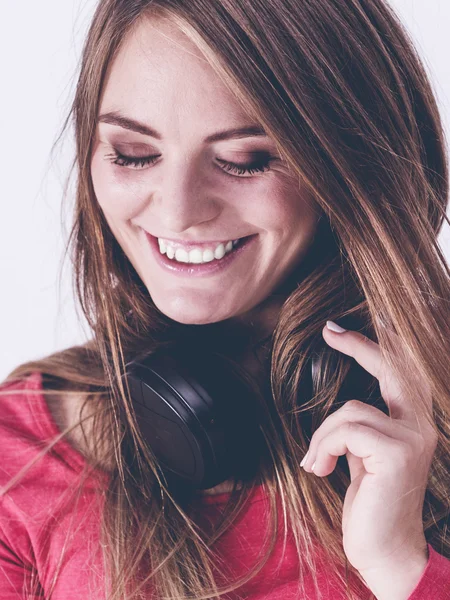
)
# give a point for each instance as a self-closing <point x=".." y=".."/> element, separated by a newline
<point x="389" y="459"/>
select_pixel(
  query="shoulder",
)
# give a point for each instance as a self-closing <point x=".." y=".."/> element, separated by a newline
<point x="37" y="501"/>
<point x="27" y="408"/>
<point x="31" y="415"/>
<point x="67" y="409"/>
<point x="25" y="432"/>
<point x="18" y="409"/>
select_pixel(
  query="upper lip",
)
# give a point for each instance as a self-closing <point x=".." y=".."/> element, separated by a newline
<point x="196" y="244"/>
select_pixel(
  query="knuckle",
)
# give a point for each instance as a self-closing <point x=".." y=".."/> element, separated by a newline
<point x="352" y="426"/>
<point x="363" y="339"/>
<point x="352" y="405"/>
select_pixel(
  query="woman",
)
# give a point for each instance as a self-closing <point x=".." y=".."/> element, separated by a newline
<point x="310" y="130"/>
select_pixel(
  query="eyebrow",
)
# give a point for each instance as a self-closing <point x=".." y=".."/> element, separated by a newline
<point x="116" y="118"/>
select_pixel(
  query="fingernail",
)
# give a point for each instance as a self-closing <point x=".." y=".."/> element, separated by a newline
<point x="335" y="327"/>
<point x="305" y="458"/>
<point x="314" y="464"/>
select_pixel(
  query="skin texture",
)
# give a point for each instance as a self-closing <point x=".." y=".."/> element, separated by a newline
<point x="160" y="78"/>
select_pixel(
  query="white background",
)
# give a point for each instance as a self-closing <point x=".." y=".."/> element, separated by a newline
<point x="40" y="44"/>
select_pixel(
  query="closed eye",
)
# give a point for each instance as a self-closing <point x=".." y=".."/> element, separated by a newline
<point x="259" y="165"/>
<point x="138" y="162"/>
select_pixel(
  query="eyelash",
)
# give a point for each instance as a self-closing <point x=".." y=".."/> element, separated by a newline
<point x="261" y="165"/>
<point x="258" y="166"/>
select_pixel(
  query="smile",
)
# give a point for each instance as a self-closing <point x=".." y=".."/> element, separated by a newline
<point x="197" y="254"/>
<point x="200" y="269"/>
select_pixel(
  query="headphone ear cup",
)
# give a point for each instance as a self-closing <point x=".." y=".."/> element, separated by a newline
<point x="166" y="420"/>
<point x="197" y="416"/>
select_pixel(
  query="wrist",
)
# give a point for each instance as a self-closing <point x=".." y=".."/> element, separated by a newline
<point x="397" y="580"/>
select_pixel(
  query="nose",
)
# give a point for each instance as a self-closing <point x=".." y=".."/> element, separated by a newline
<point x="183" y="200"/>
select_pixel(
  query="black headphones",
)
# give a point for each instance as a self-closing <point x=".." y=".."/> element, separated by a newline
<point x="201" y="419"/>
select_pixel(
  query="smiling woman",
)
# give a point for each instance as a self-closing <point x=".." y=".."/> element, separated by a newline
<point x="247" y="171"/>
<point x="208" y="174"/>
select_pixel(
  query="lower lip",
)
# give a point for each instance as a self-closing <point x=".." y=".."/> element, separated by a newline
<point x="196" y="270"/>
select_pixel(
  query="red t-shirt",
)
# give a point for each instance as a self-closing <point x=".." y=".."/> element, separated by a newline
<point x="36" y="516"/>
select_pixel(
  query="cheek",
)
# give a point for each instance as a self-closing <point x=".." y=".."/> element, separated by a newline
<point x="119" y="197"/>
<point x="292" y="223"/>
<point x="288" y="212"/>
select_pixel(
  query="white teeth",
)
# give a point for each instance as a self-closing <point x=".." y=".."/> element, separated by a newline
<point x="181" y="255"/>
<point x="219" y="252"/>
<point x="196" y="255"/>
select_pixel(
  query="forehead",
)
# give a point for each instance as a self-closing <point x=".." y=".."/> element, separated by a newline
<point x="159" y="72"/>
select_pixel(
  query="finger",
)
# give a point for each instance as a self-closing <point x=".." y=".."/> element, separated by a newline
<point x="367" y="353"/>
<point x="379" y="452"/>
<point x="359" y="412"/>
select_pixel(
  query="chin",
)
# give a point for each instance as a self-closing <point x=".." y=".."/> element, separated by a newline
<point x="191" y="314"/>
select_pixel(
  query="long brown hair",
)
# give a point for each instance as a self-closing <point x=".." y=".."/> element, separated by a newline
<point x="342" y="91"/>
